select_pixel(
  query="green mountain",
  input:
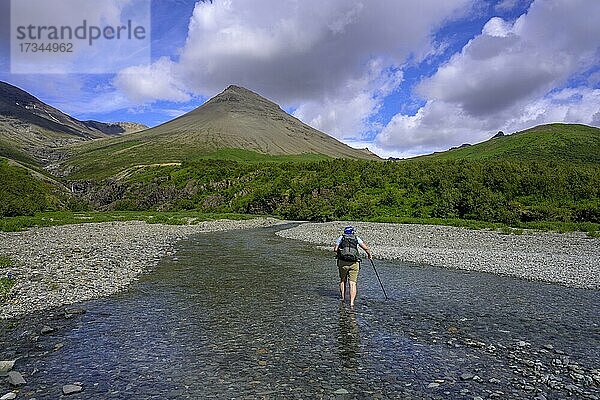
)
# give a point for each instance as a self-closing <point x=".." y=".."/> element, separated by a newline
<point x="237" y="124"/>
<point x="572" y="143"/>
<point x="34" y="133"/>
<point x="220" y="158"/>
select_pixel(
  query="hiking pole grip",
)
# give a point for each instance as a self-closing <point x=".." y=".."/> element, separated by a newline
<point x="379" y="279"/>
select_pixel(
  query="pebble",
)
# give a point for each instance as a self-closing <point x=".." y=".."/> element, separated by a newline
<point x="6" y="366"/>
<point x="74" y="311"/>
<point x="466" y="376"/>
<point x="46" y="330"/>
<point x="9" y="396"/>
<point x="16" y="379"/>
<point x="71" y="389"/>
<point x="67" y="264"/>
<point x="570" y="259"/>
<point x="341" y="391"/>
<point x="433" y="385"/>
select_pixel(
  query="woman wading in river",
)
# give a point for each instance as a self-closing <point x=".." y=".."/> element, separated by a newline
<point x="348" y="261"/>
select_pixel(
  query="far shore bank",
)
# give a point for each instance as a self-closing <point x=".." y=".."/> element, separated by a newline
<point x="571" y="259"/>
<point x="62" y="265"/>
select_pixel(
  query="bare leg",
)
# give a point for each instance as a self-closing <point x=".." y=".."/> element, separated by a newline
<point x="352" y="293"/>
<point x="343" y="290"/>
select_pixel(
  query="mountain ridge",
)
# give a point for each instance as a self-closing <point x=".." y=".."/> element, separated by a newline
<point x="563" y="142"/>
<point x="32" y="131"/>
<point x="235" y="119"/>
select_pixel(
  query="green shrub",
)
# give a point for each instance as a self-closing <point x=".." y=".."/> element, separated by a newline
<point x="6" y="262"/>
<point x="20" y="193"/>
<point x="6" y="285"/>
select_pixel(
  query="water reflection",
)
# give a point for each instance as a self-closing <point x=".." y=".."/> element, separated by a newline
<point x="251" y="315"/>
<point x="348" y="338"/>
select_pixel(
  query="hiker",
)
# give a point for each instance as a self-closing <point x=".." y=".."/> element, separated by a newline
<point x="346" y="248"/>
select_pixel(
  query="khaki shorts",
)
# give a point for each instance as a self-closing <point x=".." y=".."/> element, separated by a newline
<point x="348" y="269"/>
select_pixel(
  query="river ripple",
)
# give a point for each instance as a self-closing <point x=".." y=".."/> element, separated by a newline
<point x="248" y="314"/>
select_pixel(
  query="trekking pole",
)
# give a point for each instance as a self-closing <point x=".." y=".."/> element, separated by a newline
<point x="375" y="269"/>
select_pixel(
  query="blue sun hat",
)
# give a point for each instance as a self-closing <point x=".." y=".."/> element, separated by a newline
<point x="349" y="230"/>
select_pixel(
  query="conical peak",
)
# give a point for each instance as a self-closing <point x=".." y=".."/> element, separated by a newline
<point x="236" y="88"/>
<point x="239" y="96"/>
<point x="239" y="91"/>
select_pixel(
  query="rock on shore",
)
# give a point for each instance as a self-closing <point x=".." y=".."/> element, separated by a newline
<point x="570" y="259"/>
<point x="66" y="264"/>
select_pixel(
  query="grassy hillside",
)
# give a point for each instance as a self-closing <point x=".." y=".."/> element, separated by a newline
<point x="21" y="193"/>
<point x="34" y="132"/>
<point x="235" y="125"/>
<point x="9" y="150"/>
<point x="119" y="159"/>
<point x="544" y="177"/>
<point x="570" y="143"/>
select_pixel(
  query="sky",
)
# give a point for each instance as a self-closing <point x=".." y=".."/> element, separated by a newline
<point x="402" y="78"/>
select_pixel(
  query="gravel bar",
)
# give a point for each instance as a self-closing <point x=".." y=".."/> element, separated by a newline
<point x="570" y="259"/>
<point x="67" y="264"/>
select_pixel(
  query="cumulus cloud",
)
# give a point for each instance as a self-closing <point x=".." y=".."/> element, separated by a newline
<point x="303" y="49"/>
<point x="576" y="105"/>
<point x="436" y="126"/>
<point x="505" y="78"/>
<point x="507" y="5"/>
<point x="345" y="113"/>
<point x="152" y="82"/>
<point x="333" y="61"/>
<point x="440" y="125"/>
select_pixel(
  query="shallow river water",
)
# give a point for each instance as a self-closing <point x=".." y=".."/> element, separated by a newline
<point x="248" y="314"/>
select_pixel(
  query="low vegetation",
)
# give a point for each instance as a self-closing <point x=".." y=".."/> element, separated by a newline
<point x="6" y="262"/>
<point x="7" y="282"/>
<point x="506" y="192"/>
<point x="15" y="224"/>
<point x="567" y="143"/>
<point x="22" y="194"/>
<point x="6" y="285"/>
<point x="545" y="178"/>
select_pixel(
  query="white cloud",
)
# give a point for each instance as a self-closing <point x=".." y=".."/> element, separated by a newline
<point x="440" y="125"/>
<point x="505" y="78"/>
<point x="345" y="113"/>
<point x="383" y="152"/>
<point x="497" y="27"/>
<point x="332" y="61"/>
<point x="507" y="5"/>
<point x="576" y="105"/>
<point x="436" y="126"/>
<point x="173" y="112"/>
<point x="153" y="82"/>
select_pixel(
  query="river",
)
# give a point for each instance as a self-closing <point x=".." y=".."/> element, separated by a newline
<point x="248" y="314"/>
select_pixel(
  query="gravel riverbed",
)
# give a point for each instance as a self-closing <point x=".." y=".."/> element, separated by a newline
<point x="570" y="259"/>
<point x="62" y="265"/>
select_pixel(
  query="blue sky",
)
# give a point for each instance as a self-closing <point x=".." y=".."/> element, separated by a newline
<point x="402" y="78"/>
